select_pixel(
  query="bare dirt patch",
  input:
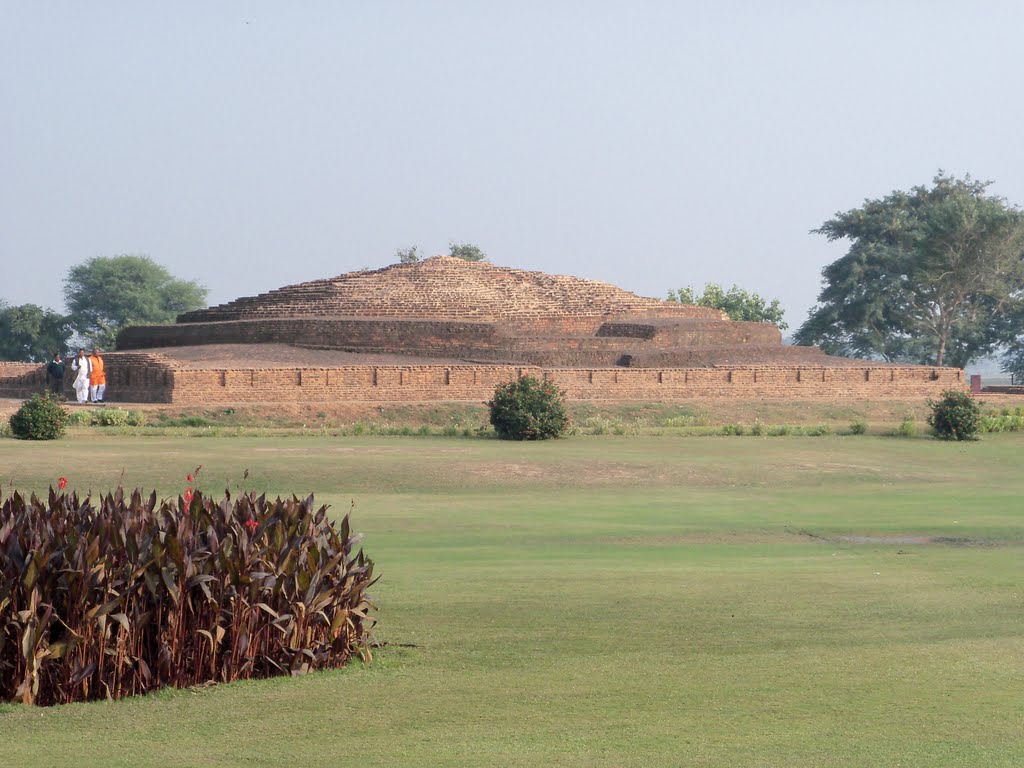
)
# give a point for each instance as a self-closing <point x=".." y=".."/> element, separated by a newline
<point x="710" y="538"/>
<point x="919" y="540"/>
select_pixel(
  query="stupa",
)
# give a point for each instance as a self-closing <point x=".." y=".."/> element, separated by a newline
<point x="448" y="329"/>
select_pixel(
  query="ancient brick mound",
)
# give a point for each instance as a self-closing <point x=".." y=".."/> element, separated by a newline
<point x="447" y="329"/>
<point x="476" y="312"/>
<point x="447" y="288"/>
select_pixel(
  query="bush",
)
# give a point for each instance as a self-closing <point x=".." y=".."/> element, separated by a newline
<point x="955" y="416"/>
<point x="528" y="409"/>
<point x="118" y="596"/>
<point x="1006" y="420"/>
<point x="41" y="418"/>
<point x="859" y="427"/>
<point x="117" y="417"/>
<point x="80" y="417"/>
<point x="907" y="428"/>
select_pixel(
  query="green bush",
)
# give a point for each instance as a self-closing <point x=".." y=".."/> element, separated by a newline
<point x="80" y="417"/>
<point x="41" y="418"/>
<point x="859" y="427"/>
<point x="907" y="428"/>
<point x="732" y="429"/>
<point x="818" y="430"/>
<point x="107" y="598"/>
<point x="117" y="417"/>
<point x="955" y="416"/>
<point x="601" y="425"/>
<point x="528" y="409"/>
<point x="1006" y="420"/>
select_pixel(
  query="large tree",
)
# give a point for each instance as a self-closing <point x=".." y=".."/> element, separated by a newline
<point x="933" y="276"/>
<point x="31" y="334"/>
<point x="108" y="293"/>
<point x="737" y="303"/>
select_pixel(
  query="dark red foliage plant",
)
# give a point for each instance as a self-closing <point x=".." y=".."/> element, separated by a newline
<point x="123" y="595"/>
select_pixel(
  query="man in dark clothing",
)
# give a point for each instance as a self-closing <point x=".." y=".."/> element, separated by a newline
<point x="55" y="374"/>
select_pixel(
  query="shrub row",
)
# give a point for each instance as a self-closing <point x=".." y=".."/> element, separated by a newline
<point x="1006" y="420"/>
<point x="106" y="417"/>
<point x="125" y="595"/>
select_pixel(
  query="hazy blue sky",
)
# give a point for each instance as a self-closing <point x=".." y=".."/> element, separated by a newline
<point x="250" y="145"/>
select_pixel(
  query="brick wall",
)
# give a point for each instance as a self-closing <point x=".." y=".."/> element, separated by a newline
<point x="418" y="383"/>
<point x="646" y="343"/>
<point x="394" y="336"/>
<point x="131" y="377"/>
<point x="135" y="377"/>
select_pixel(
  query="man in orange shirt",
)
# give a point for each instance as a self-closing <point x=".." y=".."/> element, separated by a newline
<point x="97" y="377"/>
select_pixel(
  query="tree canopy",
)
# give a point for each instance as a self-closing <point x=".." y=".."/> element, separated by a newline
<point x="737" y="303"/>
<point x="408" y="255"/>
<point x="31" y="334"/>
<point x="466" y="251"/>
<point x="108" y="293"/>
<point x="932" y="276"/>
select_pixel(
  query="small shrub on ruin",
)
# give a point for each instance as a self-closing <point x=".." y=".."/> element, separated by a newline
<point x="122" y="595"/>
<point x="528" y="409"/>
<point x="40" y="418"/>
<point x="955" y="416"/>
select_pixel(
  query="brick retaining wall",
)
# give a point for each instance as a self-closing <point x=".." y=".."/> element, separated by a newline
<point x="154" y="379"/>
<point x="414" y="383"/>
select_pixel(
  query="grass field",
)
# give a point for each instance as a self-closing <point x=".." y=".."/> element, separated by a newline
<point x="608" y="601"/>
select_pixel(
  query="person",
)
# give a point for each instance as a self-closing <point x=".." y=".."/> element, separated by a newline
<point x="55" y="374"/>
<point x="81" y="366"/>
<point x="97" y="377"/>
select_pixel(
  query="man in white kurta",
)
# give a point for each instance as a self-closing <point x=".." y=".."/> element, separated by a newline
<point x="83" y="368"/>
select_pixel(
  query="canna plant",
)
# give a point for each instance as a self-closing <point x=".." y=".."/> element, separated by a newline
<point x="124" y="595"/>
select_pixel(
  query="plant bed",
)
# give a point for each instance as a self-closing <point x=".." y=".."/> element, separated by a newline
<point x="107" y="598"/>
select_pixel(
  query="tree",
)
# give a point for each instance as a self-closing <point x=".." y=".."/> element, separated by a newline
<point x="106" y="294"/>
<point x="408" y="255"/>
<point x="466" y="251"/>
<point x="933" y="276"/>
<point x="737" y="303"/>
<point x="31" y="334"/>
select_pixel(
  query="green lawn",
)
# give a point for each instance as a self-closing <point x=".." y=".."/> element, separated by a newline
<point x="608" y="601"/>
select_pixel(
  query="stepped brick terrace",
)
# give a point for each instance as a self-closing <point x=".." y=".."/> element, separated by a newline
<point x="447" y="329"/>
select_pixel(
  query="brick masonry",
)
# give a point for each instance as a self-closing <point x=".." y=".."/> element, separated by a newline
<point x="154" y="379"/>
<point x="466" y="327"/>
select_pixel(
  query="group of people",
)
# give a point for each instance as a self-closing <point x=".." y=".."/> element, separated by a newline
<point x="90" y="383"/>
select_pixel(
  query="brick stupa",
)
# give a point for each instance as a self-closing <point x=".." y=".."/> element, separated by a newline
<point x="448" y="329"/>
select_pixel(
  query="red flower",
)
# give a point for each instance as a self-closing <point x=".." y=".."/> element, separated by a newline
<point x="252" y="525"/>
<point x="190" y="478"/>
<point x="62" y="483"/>
<point x="188" y="495"/>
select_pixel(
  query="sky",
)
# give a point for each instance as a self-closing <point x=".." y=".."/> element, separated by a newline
<point x="654" y="145"/>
